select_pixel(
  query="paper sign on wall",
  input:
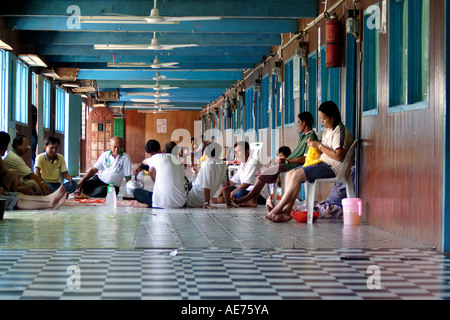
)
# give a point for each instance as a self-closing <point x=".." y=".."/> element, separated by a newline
<point x="161" y="125"/>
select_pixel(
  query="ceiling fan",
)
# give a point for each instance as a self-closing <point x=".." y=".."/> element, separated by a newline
<point x="154" y="45"/>
<point x="154" y="18"/>
<point x="157" y="94"/>
<point x="158" y="76"/>
<point x="160" y="110"/>
<point x="156" y="101"/>
<point x="155" y="65"/>
<point x="156" y="87"/>
<point x="152" y="109"/>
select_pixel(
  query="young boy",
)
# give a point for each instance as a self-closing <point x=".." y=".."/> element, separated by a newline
<point x="50" y="166"/>
<point x="212" y="175"/>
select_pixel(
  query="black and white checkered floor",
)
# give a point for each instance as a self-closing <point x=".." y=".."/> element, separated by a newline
<point x="195" y="254"/>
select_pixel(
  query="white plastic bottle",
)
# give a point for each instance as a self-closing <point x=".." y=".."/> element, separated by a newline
<point x="111" y="199"/>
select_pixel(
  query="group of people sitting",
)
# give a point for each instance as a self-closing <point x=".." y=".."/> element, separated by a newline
<point x="22" y="188"/>
<point x="25" y="188"/>
<point x="246" y="188"/>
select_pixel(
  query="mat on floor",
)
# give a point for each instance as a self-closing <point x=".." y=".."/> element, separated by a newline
<point x="101" y="202"/>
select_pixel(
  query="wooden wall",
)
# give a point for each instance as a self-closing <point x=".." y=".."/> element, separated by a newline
<point x="141" y="127"/>
<point x="402" y="153"/>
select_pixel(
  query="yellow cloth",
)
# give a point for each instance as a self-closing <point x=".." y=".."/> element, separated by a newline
<point x="311" y="157"/>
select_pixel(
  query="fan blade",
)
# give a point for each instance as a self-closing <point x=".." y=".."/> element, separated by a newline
<point x="147" y="86"/>
<point x="142" y="65"/>
<point x="169" y="46"/>
<point x="149" y="100"/>
<point x="113" y="19"/>
<point x="152" y="94"/>
<point x="194" y="18"/>
<point x="164" y="65"/>
<point x="120" y="47"/>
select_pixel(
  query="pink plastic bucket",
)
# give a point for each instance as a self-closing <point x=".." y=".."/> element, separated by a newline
<point x="352" y="210"/>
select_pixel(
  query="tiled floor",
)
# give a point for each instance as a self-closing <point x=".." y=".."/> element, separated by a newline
<point x="86" y="252"/>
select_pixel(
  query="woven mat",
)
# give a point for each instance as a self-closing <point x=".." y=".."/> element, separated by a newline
<point x="101" y="202"/>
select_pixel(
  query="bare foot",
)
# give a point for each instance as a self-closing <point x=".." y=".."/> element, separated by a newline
<point x="275" y="216"/>
<point x="252" y="203"/>
<point x="238" y="201"/>
<point x="57" y="195"/>
<point x="269" y="204"/>
<point x="217" y="200"/>
<point x="278" y="217"/>
<point x="60" y="202"/>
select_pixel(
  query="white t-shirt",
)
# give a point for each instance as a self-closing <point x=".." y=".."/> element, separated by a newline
<point x="168" y="191"/>
<point x="334" y="139"/>
<point x="246" y="174"/>
<point x="112" y="169"/>
<point x="211" y="176"/>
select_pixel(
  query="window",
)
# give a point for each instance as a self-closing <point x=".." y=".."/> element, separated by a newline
<point x="409" y="26"/>
<point x="265" y="94"/>
<point x="299" y="83"/>
<point x="330" y="81"/>
<point x="60" y="106"/>
<point x="249" y="108"/>
<point x="289" y="102"/>
<point x="278" y="99"/>
<point x="46" y="103"/>
<point x="273" y="99"/>
<point x="257" y="109"/>
<point x="21" y="108"/>
<point x="33" y="88"/>
<point x="237" y="116"/>
<point x="312" y="86"/>
<point x="4" y="89"/>
<point x="350" y="83"/>
<point x="370" y="67"/>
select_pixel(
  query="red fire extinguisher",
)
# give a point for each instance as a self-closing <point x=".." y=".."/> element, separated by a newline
<point x="333" y="42"/>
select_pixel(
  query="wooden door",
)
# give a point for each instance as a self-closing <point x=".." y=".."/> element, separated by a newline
<point x="100" y="130"/>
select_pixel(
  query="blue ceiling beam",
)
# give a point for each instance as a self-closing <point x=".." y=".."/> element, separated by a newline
<point x="203" y="100"/>
<point x="175" y="103"/>
<point x="217" y="84"/>
<point x="148" y="75"/>
<point x="240" y="25"/>
<point x="199" y="93"/>
<point x="163" y="56"/>
<point x="145" y="59"/>
<point x="230" y="8"/>
<point x="196" y="66"/>
<point x="204" y="39"/>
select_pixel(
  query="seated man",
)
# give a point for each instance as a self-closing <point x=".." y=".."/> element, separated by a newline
<point x="9" y="179"/>
<point x="50" y="166"/>
<point x="152" y="147"/>
<point x="168" y="177"/>
<point x="111" y="167"/>
<point x="14" y="160"/>
<point x="212" y="174"/>
<point x="243" y="180"/>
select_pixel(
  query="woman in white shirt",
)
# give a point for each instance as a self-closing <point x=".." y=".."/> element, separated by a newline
<point x="336" y="140"/>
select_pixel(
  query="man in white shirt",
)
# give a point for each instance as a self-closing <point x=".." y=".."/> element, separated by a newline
<point x="168" y="175"/>
<point x="212" y="175"/>
<point x="244" y="179"/>
<point x="111" y="167"/>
